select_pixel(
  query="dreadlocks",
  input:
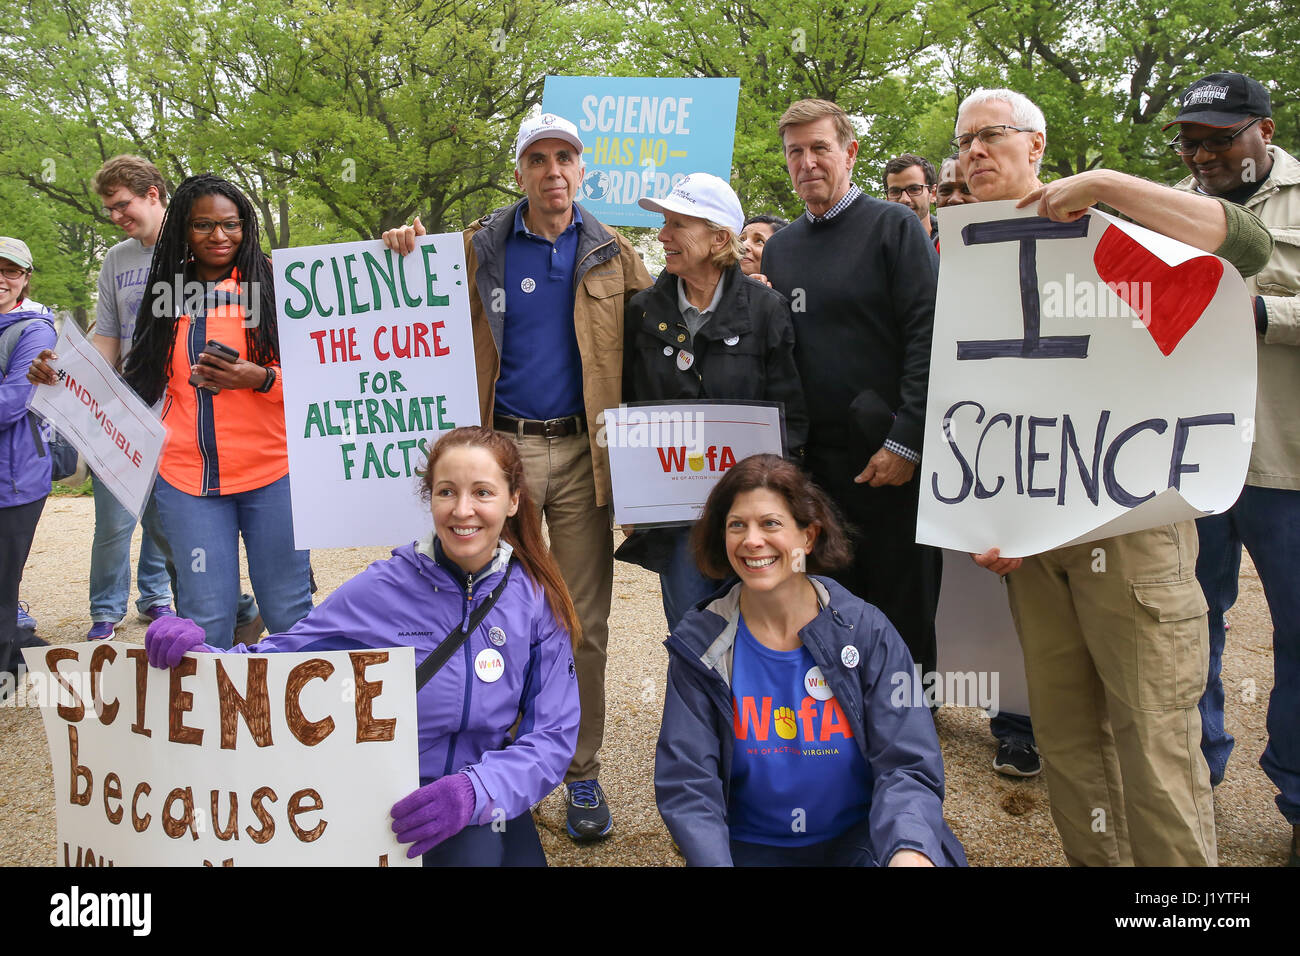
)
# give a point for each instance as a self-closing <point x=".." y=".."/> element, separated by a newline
<point x="148" y="364"/>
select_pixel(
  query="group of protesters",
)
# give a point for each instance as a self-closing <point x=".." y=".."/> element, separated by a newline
<point x="799" y="591"/>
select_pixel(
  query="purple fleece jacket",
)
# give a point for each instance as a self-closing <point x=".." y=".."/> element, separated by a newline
<point x="24" y="469"/>
<point x="413" y="599"/>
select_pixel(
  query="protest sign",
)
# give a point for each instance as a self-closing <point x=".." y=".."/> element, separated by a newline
<point x="978" y="649"/>
<point x="642" y="135"/>
<point x="378" y="359"/>
<point x="665" y="459"/>
<point x="117" y="433"/>
<point x="227" y="759"/>
<point x="1087" y="379"/>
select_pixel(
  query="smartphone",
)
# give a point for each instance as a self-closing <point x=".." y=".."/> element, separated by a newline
<point x="219" y="350"/>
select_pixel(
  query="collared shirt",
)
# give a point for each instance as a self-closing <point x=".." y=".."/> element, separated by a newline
<point x="844" y="203"/>
<point x="693" y="317"/>
<point x="541" y="368"/>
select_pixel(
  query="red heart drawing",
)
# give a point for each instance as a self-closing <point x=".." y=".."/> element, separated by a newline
<point x="1170" y="299"/>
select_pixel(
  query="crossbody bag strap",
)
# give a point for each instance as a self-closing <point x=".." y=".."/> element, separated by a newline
<point x="458" y="636"/>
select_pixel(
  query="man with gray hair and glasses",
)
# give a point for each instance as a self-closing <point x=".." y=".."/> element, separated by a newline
<point x="1115" y="665"/>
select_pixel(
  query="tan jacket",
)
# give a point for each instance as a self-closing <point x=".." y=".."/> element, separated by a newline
<point x="1275" y="459"/>
<point x="608" y="273"/>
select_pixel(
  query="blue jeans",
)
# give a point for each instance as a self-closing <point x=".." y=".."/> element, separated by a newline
<point x="204" y="534"/>
<point x="110" y="559"/>
<point x="1267" y="522"/>
<point x="514" y="844"/>
<point x="1012" y="727"/>
<point x="682" y="585"/>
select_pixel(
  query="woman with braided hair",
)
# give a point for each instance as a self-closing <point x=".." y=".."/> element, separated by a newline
<point x="206" y="346"/>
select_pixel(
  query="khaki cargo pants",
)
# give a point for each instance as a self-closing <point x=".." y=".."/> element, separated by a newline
<point x="560" y="481"/>
<point x="1116" y="651"/>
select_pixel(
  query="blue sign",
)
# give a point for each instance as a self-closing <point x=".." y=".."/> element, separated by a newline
<point x="642" y="135"/>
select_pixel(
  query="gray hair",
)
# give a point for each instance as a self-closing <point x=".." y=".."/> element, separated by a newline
<point x="1023" y="112"/>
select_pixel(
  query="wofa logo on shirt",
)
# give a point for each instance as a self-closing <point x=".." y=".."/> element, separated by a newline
<point x="811" y="722"/>
<point x="679" y="459"/>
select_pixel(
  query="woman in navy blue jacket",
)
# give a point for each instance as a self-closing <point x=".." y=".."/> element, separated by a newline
<point x="788" y="737"/>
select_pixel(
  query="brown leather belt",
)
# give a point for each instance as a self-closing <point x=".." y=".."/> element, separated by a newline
<point x="552" y="428"/>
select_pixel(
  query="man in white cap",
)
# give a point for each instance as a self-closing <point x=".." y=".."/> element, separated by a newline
<point x="550" y="285"/>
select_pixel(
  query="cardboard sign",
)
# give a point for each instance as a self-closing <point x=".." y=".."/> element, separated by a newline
<point x="642" y="135"/>
<point x="227" y="759"/>
<point x="665" y="459"/>
<point x="118" y="435"/>
<point x="378" y="360"/>
<point x="1087" y="379"/>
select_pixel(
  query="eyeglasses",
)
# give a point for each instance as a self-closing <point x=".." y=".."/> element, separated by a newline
<point x="989" y="136"/>
<point x="1211" y="144"/>
<point x="204" y="227"/>
<point x="914" y="190"/>
<point x="13" y="272"/>
<point x="118" y="207"/>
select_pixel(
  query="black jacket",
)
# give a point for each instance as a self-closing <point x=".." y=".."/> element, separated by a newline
<point x="745" y="352"/>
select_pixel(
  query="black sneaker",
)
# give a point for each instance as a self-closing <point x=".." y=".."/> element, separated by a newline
<point x="1017" y="759"/>
<point x="589" y="818"/>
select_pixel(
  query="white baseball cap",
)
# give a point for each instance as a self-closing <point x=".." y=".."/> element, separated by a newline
<point x="546" y="126"/>
<point x="16" y="251"/>
<point x="705" y="196"/>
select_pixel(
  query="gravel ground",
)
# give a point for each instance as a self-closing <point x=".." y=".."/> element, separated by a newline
<point x="1000" y="821"/>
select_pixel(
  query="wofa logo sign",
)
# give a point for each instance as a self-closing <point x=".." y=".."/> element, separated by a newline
<point x="817" y="720"/>
<point x="679" y="459"/>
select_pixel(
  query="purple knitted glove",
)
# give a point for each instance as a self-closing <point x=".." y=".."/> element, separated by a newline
<point x="435" y="812"/>
<point x="168" y="638"/>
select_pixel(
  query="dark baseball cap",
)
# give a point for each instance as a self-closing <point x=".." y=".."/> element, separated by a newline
<point x="1222" y="100"/>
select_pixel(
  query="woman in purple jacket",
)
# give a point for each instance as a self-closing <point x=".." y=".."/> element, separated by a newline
<point x="25" y="329"/>
<point x="517" y="663"/>
<point x="784" y="740"/>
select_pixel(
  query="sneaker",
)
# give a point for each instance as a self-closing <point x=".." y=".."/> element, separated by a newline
<point x="25" y="621"/>
<point x="1017" y="759"/>
<point x="158" y="610"/>
<point x="589" y="818"/>
<point x="101" y="631"/>
<point x="250" y="632"/>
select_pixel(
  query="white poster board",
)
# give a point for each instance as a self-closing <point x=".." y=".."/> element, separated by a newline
<point x="118" y="435"/>
<point x="665" y="459"/>
<point x="228" y="759"/>
<point x="1086" y="379"/>
<point x="378" y="359"/>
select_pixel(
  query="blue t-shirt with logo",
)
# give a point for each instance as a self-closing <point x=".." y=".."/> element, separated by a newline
<point x="797" y="775"/>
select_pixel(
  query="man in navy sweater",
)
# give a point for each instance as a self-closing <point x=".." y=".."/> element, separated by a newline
<point x="860" y="274"/>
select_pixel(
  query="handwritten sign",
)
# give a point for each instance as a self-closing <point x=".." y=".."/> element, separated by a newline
<point x="1087" y="379"/>
<point x="642" y="135"/>
<point x="665" y="459"/>
<point x="378" y="360"/>
<point x="227" y="759"/>
<point x="117" y="434"/>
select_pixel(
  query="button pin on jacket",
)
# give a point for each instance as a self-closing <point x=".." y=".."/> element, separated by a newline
<point x="489" y="665"/>
<point x="528" y="285"/>
<point x="668" y="350"/>
<point x="685" y="360"/>
<point x="497" y="636"/>
<point x="849" y="656"/>
<point x="731" y="340"/>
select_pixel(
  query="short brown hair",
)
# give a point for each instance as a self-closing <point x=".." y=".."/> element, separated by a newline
<point x="808" y="504"/>
<point x="810" y="111"/>
<point x="134" y="172"/>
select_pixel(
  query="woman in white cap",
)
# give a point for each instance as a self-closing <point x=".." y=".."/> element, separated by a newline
<point x="704" y="331"/>
<point x="26" y="329"/>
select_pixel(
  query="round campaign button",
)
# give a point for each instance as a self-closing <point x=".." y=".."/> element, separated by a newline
<point x="528" y="285"/>
<point x="497" y="636"/>
<point x="731" y="340"/>
<point x="849" y="656"/>
<point x="685" y="360"/>
<point x="815" y="684"/>
<point x="668" y="350"/>
<point x="489" y="665"/>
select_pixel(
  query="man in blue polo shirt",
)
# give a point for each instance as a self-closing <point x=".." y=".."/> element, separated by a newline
<point x="550" y="285"/>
